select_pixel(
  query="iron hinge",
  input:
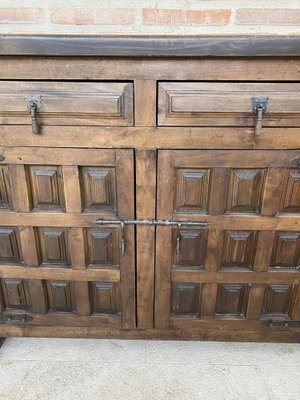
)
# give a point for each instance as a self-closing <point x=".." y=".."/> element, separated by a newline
<point x="6" y="318"/>
<point x="281" y="323"/>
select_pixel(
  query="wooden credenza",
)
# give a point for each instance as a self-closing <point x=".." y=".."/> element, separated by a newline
<point x="150" y="187"/>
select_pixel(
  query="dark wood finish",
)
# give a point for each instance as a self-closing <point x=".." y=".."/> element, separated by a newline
<point x="225" y="273"/>
<point x="140" y="128"/>
<point x="145" y="236"/>
<point x="152" y="46"/>
<point x="264" y="334"/>
<point x="103" y="293"/>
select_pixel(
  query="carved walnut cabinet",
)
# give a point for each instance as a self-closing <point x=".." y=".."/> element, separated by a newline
<point x="150" y="187"/>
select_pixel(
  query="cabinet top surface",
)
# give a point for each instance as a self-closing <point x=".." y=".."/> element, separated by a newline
<point x="150" y="46"/>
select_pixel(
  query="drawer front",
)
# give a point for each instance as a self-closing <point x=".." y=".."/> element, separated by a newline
<point x="227" y="104"/>
<point x="67" y="103"/>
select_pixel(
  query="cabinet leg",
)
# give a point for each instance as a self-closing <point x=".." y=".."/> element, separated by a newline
<point x="2" y="340"/>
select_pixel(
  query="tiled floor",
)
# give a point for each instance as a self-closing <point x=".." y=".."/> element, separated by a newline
<point x="63" y="369"/>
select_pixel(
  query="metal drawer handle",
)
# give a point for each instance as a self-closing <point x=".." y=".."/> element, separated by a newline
<point x="34" y="106"/>
<point x="259" y="107"/>
<point x="151" y="222"/>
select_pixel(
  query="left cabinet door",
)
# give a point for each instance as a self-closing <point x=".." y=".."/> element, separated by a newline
<point x="56" y="264"/>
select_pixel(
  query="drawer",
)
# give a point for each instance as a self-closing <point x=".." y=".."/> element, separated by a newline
<point x="67" y="103"/>
<point x="227" y="104"/>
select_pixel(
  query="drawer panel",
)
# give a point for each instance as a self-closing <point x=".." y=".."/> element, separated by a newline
<point x="227" y="104"/>
<point x="68" y="103"/>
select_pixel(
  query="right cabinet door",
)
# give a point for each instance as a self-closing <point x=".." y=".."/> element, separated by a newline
<point x="243" y="269"/>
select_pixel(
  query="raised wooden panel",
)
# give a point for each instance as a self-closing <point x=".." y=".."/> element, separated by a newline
<point x="54" y="246"/>
<point x="244" y="192"/>
<point x="226" y="104"/>
<point x="102" y="247"/>
<point x="68" y="103"/>
<point x="192" y="248"/>
<point x="239" y="249"/>
<point x="291" y="194"/>
<point x="286" y="250"/>
<point x="5" y="189"/>
<point x="10" y="249"/>
<point x="61" y="296"/>
<point x="231" y="299"/>
<point x="192" y="190"/>
<point x="71" y="272"/>
<point x="277" y="300"/>
<point x="185" y="299"/>
<point x="106" y="298"/>
<point x="16" y="294"/>
<point x="46" y="188"/>
<point x="98" y="188"/>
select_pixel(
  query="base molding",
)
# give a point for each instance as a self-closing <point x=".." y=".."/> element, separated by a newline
<point x="287" y="335"/>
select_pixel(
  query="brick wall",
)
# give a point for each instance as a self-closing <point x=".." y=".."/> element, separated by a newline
<point x="211" y="17"/>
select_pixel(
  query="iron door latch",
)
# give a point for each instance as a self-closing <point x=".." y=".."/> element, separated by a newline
<point x="150" y="222"/>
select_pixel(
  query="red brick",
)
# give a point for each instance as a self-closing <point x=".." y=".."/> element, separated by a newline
<point x="16" y="15"/>
<point x="268" y="16"/>
<point x="158" y="16"/>
<point x="83" y="16"/>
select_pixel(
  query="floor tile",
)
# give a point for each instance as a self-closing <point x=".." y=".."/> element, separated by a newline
<point x="225" y="353"/>
<point x="89" y="381"/>
<point x="282" y="383"/>
<point x="104" y="351"/>
<point x="63" y="369"/>
<point x="12" y="374"/>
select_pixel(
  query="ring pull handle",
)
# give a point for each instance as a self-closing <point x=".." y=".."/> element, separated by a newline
<point x="34" y="106"/>
<point x="259" y="107"/>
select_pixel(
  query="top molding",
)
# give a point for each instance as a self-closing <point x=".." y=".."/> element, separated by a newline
<point x="151" y="46"/>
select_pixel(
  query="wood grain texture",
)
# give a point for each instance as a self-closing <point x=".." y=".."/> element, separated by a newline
<point x="151" y="46"/>
<point x="148" y="138"/>
<point x="68" y="103"/>
<point x="145" y="164"/>
<point x="90" y="283"/>
<point x="103" y="154"/>
<point x="284" y="335"/>
<point x="145" y="102"/>
<point x="226" y="104"/>
<point x="208" y="69"/>
<point x="236" y="281"/>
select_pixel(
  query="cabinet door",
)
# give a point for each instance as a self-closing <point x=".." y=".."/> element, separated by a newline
<point x="56" y="264"/>
<point x="243" y="268"/>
